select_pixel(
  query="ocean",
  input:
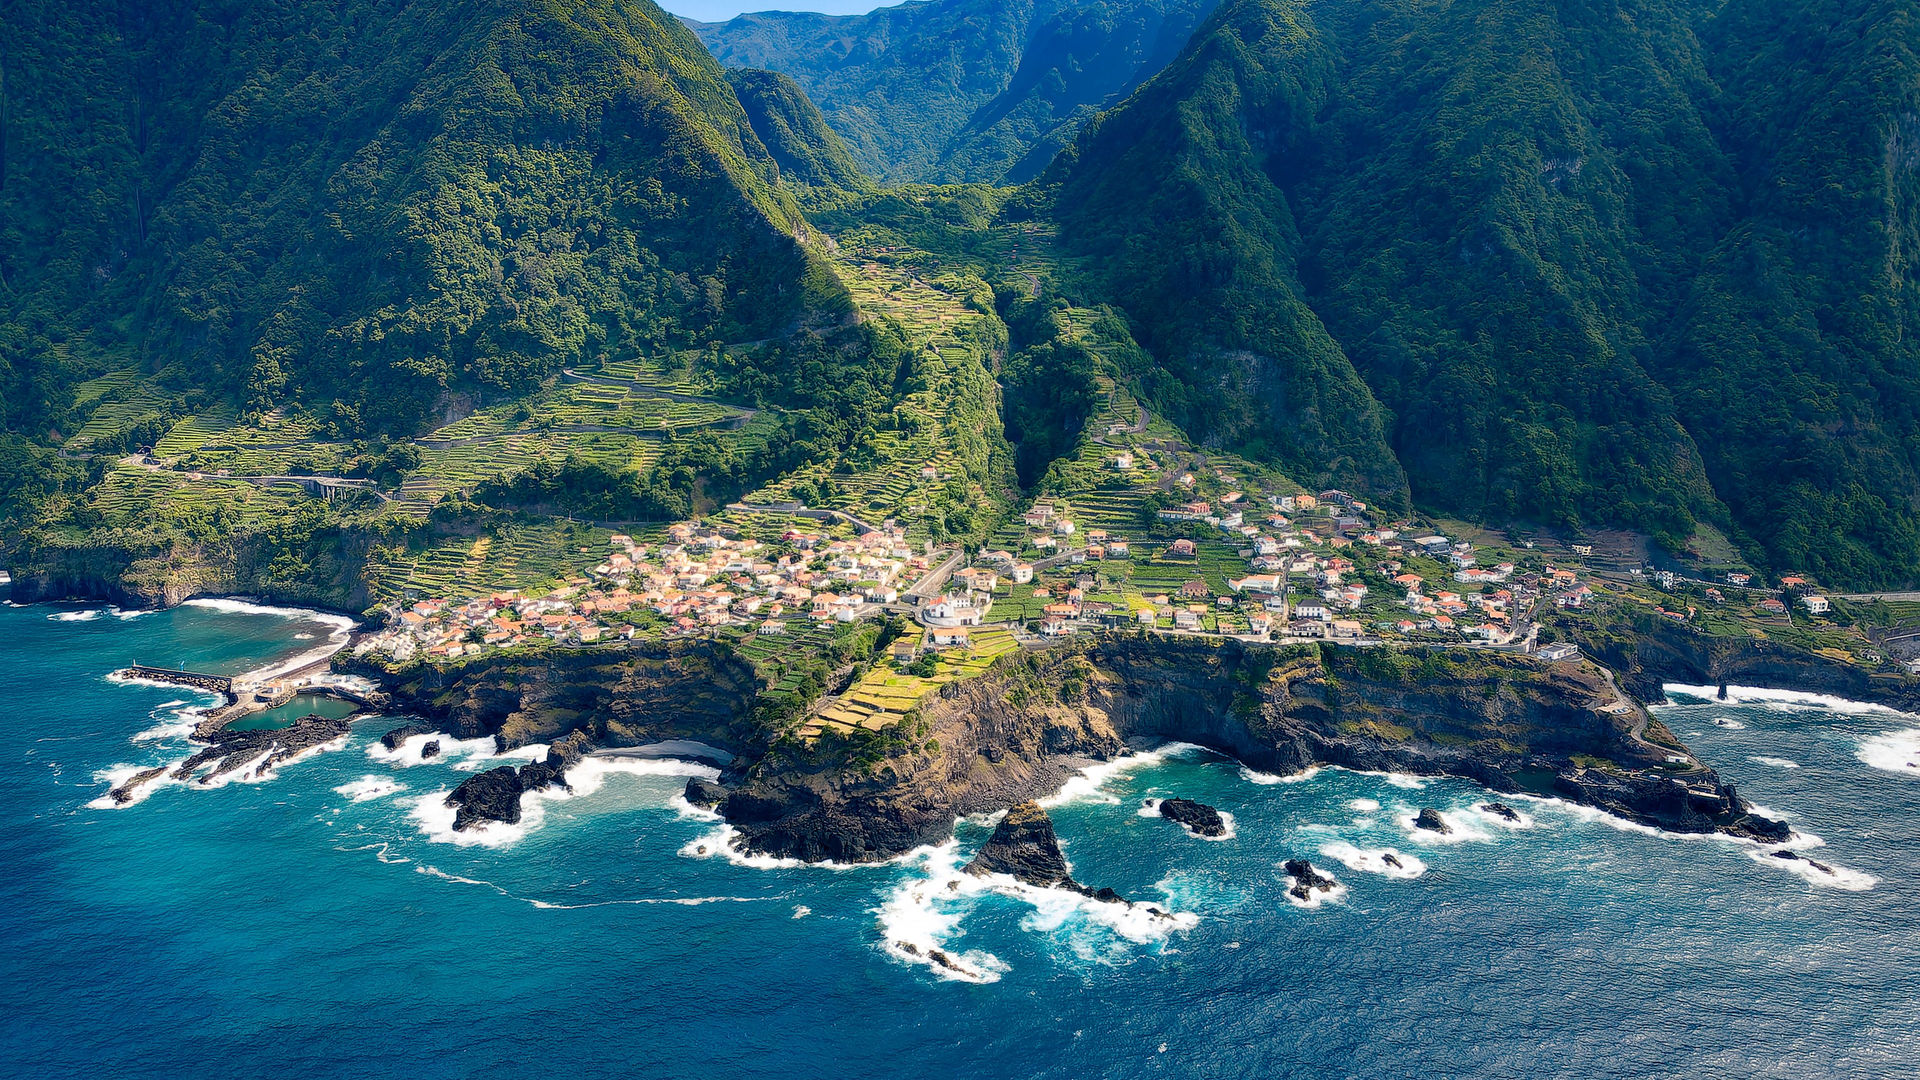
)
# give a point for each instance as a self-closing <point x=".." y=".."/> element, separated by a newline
<point x="326" y="922"/>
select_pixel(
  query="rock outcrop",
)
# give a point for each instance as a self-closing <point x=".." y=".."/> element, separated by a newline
<point x="247" y="753"/>
<point x="1199" y="818"/>
<point x="1501" y="810"/>
<point x="1430" y="820"/>
<point x="704" y="793"/>
<point x="1306" y="880"/>
<point x="392" y="739"/>
<point x="494" y="795"/>
<point x="1024" y="846"/>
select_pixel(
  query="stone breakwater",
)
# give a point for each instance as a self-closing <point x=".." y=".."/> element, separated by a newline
<point x="213" y="684"/>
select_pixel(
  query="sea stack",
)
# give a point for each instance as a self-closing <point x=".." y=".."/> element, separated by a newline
<point x="1431" y="820"/>
<point x="1024" y="846"/>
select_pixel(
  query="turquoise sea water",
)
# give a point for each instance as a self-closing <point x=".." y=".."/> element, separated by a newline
<point x="320" y="924"/>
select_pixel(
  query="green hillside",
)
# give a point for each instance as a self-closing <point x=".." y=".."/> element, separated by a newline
<point x="1638" y="263"/>
<point x="374" y="205"/>
<point x="962" y="90"/>
<point x="793" y="131"/>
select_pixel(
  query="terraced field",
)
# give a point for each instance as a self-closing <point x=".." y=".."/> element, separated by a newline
<point x="884" y="696"/>
<point x="131" y="494"/>
<point x="903" y="473"/>
<point x="121" y="402"/>
<point x="526" y="557"/>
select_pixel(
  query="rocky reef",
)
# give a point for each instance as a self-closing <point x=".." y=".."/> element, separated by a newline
<point x="1199" y="818"/>
<point x="247" y="754"/>
<point x="1306" y="881"/>
<point x="494" y="795"/>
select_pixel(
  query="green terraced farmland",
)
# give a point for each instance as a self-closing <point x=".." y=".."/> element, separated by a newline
<point x="525" y="557"/>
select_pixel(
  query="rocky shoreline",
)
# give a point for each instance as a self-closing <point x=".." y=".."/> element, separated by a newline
<point x="1022" y="730"/>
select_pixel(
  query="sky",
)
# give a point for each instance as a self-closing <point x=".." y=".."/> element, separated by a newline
<point x="721" y="10"/>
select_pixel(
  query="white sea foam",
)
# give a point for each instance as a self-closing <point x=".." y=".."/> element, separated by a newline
<point x="1150" y="808"/>
<point x="179" y="727"/>
<point x="87" y="615"/>
<point x="1752" y="695"/>
<point x="586" y="778"/>
<point x="1818" y="872"/>
<point x="1374" y="860"/>
<point x="679" y="805"/>
<point x="1315" y="897"/>
<point x="236" y="606"/>
<point x="801" y="911"/>
<point x="921" y="915"/>
<point x="1253" y="776"/>
<point x="129" y="616"/>
<point x="434" y="817"/>
<point x="1407" y="781"/>
<point x="1467" y="827"/>
<point x="1774" y="762"/>
<point x="1895" y="751"/>
<point x="407" y="754"/>
<point x="477" y="763"/>
<point x="1087" y="785"/>
<point x="1728" y="723"/>
<point x="1520" y="820"/>
<point x="117" y="775"/>
<point x="1365" y="806"/>
<point x="368" y="788"/>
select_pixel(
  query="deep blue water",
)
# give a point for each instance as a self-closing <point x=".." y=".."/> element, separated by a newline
<point x="285" y="929"/>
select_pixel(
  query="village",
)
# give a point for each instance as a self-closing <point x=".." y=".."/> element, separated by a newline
<point x="1310" y="567"/>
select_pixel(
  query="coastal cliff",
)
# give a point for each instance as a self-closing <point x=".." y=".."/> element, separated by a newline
<point x="1513" y="724"/>
<point x="1653" y="652"/>
<point x="1510" y="723"/>
<point x="611" y="696"/>
<point x="144" y="574"/>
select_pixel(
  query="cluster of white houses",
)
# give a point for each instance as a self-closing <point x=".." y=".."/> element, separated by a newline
<point x="699" y="579"/>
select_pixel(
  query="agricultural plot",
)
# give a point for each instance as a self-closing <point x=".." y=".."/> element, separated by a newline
<point x="904" y="472"/>
<point x="524" y="557"/>
<point x="130" y="494"/>
<point x="884" y="696"/>
<point x="121" y="402"/>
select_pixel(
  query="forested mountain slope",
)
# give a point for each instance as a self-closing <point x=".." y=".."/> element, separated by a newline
<point x="370" y="204"/>
<point x="962" y="90"/>
<point x="793" y="131"/>
<point x="1639" y="262"/>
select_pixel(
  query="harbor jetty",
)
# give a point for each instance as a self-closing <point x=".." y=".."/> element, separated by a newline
<point x="214" y="684"/>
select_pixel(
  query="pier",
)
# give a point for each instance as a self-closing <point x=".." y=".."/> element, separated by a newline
<point x="217" y="684"/>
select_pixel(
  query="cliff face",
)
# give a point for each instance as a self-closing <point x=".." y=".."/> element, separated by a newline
<point x="146" y="574"/>
<point x="1658" y="653"/>
<point x="1506" y="722"/>
<point x="606" y="697"/>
